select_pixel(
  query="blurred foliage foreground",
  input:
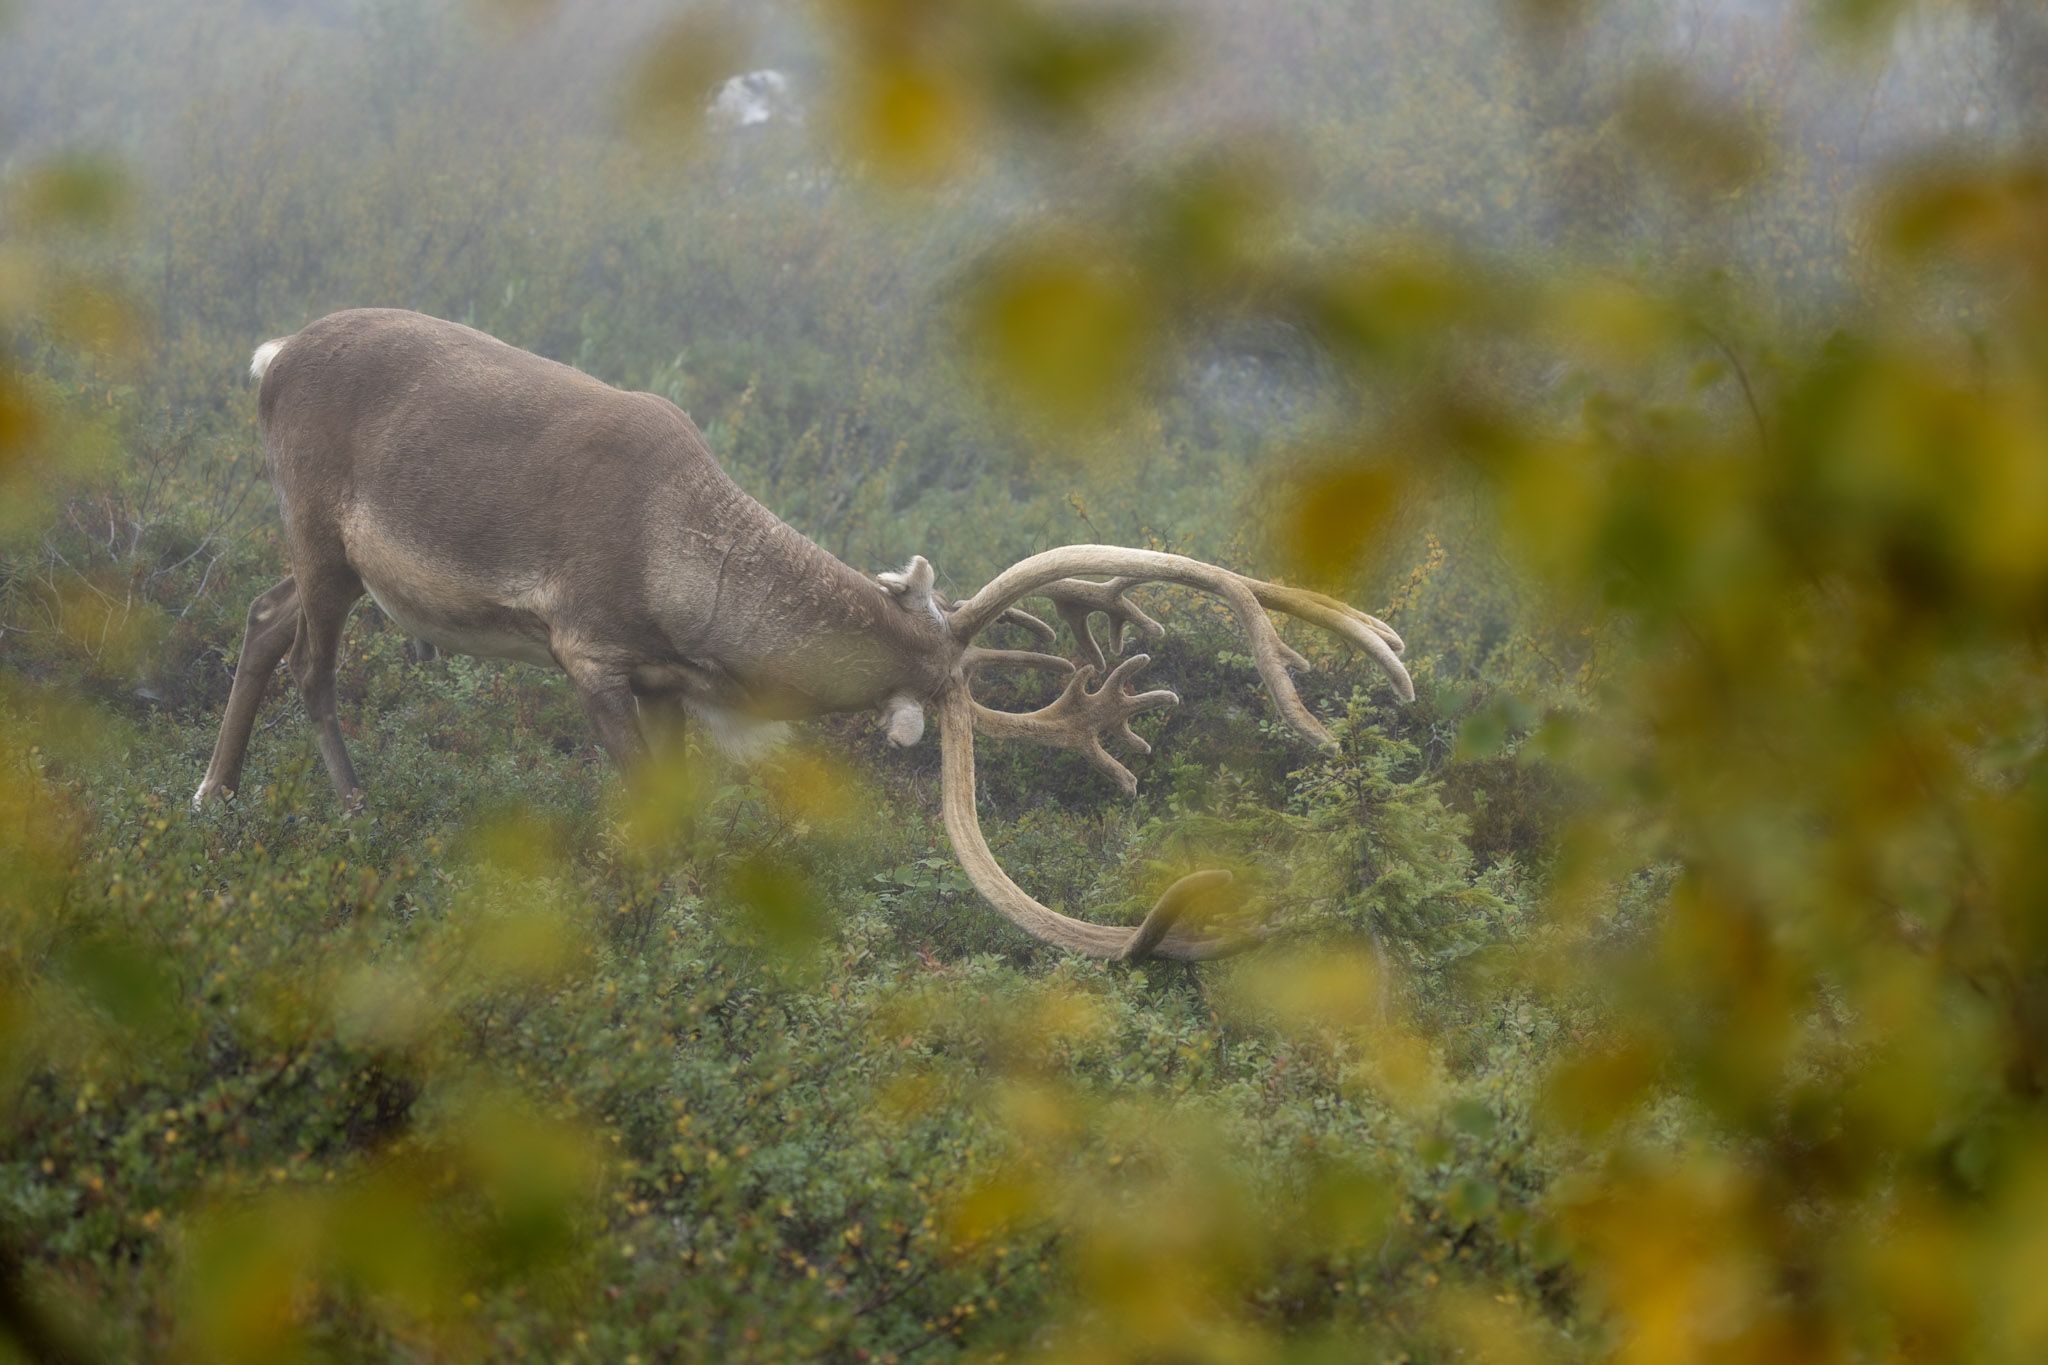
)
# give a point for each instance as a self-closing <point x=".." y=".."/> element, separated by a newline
<point x="1735" y="1049"/>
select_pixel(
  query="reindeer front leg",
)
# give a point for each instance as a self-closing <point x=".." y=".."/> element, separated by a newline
<point x="607" y="697"/>
<point x="663" y="720"/>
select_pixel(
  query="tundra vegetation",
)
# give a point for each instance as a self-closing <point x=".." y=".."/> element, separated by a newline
<point x="1668" y="982"/>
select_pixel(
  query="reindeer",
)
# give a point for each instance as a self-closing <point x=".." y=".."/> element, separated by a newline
<point x="499" y="504"/>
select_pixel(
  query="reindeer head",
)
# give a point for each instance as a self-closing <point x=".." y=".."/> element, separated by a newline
<point x="903" y="711"/>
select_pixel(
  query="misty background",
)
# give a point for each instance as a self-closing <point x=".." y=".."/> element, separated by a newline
<point x="544" y="173"/>
<point x="1663" y="985"/>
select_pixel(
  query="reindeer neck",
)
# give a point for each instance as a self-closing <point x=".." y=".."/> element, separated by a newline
<point x="801" y="631"/>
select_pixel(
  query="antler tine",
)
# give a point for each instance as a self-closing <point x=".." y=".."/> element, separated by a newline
<point x="1369" y="633"/>
<point x="1017" y="616"/>
<point x="1247" y="597"/>
<point x="1076" y="718"/>
<point x="1161" y="934"/>
<point x="1078" y="601"/>
<point x="975" y="658"/>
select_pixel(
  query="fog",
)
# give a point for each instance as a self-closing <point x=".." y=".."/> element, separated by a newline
<point x="1661" y="983"/>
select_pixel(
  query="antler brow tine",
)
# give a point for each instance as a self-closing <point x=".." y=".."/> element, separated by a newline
<point x="1077" y="716"/>
<point x="1160" y="935"/>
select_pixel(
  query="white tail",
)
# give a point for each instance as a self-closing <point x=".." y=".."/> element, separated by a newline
<point x="259" y="363"/>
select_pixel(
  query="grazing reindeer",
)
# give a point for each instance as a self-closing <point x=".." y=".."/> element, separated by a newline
<point x="498" y="504"/>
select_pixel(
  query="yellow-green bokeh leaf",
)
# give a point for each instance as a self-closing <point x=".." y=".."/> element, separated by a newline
<point x="1342" y="511"/>
<point x="778" y="907"/>
<point x="74" y="193"/>
<point x="1064" y="328"/>
<point x="1697" y="142"/>
<point x="673" y="77"/>
<point x="1065" y="64"/>
<point x="910" y="119"/>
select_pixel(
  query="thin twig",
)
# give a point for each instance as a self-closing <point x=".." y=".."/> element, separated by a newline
<point x="200" y="591"/>
<point x="1756" y="413"/>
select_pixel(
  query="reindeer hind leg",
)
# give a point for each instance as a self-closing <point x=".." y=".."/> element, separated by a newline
<point x="272" y="624"/>
<point x="323" y="609"/>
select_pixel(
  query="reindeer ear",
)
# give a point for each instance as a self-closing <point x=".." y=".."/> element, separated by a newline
<point x="913" y="586"/>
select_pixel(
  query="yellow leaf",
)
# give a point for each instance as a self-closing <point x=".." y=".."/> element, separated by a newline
<point x="1064" y="328"/>
<point x="909" y="120"/>
<point x="1338" y="513"/>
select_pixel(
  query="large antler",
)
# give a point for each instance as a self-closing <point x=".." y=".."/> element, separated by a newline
<point x="1159" y="936"/>
<point x="1051" y="575"/>
<point x="1079" y="717"/>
